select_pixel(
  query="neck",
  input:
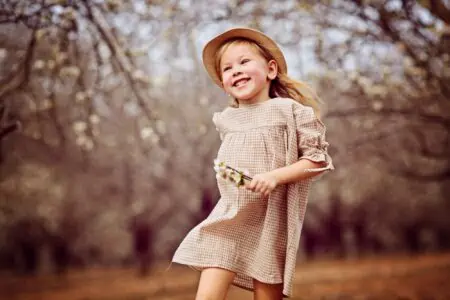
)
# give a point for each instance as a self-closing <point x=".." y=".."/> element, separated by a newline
<point x="244" y="103"/>
<point x="261" y="97"/>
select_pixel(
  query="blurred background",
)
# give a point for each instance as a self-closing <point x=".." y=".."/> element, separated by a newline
<point x="107" y="142"/>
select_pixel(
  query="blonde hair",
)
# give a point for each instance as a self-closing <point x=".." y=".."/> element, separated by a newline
<point x="282" y="86"/>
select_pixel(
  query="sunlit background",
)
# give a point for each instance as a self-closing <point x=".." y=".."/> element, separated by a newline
<point x="107" y="143"/>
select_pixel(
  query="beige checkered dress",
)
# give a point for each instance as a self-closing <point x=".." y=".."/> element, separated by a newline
<point x="258" y="237"/>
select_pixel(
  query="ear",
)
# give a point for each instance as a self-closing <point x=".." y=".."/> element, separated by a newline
<point x="273" y="69"/>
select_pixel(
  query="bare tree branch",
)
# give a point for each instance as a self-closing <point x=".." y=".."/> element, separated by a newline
<point x="438" y="8"/>
<point x="100" y="23"/>
<point x="7" y="129"/>
<point x="17" y="80"/>
<point x="38" y="18"/>
<point x="417" y="175"/>
<point x="122" y="60"/>
<point x="425" y="117"/>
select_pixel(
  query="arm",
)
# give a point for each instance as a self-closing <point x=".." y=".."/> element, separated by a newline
<point x="296" y="172"/>
<point x="266" y="182"/>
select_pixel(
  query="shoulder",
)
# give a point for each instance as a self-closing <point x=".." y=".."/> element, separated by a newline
<point x="291" y="106"/>
<point x="297" y="108"/>
<point x="217" y="116"/>
<point x="288" y="103"/>
<point x="302" y="114"/>
<point x="283" y="101"/>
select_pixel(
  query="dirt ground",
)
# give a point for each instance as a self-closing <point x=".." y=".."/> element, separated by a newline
<point x="425" y="277"/>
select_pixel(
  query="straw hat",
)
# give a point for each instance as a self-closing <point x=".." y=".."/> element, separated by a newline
<point x="260" y="38"/>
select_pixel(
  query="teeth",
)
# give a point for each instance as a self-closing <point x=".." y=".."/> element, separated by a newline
<point x="241" y="82"/>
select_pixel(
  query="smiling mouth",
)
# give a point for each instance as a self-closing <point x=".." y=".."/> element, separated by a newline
<point x="241" y="82"/>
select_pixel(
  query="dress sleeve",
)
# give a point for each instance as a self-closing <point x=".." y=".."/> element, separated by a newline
<point x="311" y="138"/>
<point x="216" y="122"/>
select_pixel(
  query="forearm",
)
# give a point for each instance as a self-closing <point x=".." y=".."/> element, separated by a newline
<point x="296" y="171"/>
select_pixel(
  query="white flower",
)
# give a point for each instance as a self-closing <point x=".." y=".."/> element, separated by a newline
<point x="51" y="64"/>
<point x="95" y="119"/>
<point x="146" y="132"/>
<point x="39" y="64"/>
<point x="79" y="126"/>
<point x="80" y="97"/>
<point x="71" y="71"/>
<point x="236" y="177"/>
<point x="226" y="172"/>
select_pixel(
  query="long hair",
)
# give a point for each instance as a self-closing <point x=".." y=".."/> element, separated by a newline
<point x="282" y="86"/>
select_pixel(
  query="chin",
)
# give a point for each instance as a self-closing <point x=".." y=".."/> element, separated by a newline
<point x="248" y="99"/>
<point x="245" y="97"/>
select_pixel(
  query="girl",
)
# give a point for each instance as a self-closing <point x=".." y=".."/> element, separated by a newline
<point x="251" y="237"/>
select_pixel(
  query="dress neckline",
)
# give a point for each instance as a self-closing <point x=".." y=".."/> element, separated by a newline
<point x="254" y="104"/>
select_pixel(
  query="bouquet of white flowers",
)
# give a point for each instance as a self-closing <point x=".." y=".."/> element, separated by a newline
<point x="228" y="173"/>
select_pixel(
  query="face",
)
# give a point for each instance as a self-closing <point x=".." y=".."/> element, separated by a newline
<point x="246" y="74"/>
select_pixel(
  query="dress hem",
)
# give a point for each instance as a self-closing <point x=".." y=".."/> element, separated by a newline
<point x="198" y="267"/>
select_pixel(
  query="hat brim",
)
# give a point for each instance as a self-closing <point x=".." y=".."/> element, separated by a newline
<point x="210" y="49"/>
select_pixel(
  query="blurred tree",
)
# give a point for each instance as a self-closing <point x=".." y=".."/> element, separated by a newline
<point x="397" y="67"/>
<point x="69" y="78"/>
<point x="6" y="127"/>
<point x="385" y="71"/>
<point x="116" y="112"/>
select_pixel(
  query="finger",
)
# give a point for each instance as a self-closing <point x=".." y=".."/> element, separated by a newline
<point x="263" y="192"/>
<point x="251" y="185"/>
<point x="264" y="189"/>
<point x="270" y="188"/>
<point x="264" y="186"/>
<point x="259" y="187"/>
<point x="260" y="190"/>
<point x="248" y="185"/>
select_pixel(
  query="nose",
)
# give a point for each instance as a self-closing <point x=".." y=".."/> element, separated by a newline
<point x="236" y="71"/>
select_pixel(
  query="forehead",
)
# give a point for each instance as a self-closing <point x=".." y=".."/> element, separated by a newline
<point x="235" y="51"/>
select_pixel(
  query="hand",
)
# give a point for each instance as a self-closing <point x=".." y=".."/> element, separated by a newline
<point x="263" y="183"/>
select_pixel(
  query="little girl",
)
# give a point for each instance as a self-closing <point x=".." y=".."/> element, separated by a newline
<point x="251" y="237"/>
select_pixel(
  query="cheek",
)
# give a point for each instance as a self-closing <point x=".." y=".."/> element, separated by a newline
<point x="226" y="80"/>
<point x="256" y="71"/>
<point x="259" y="76"/>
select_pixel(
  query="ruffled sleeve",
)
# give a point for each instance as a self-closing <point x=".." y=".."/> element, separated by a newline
<point x="311" y="138"/>
<point x="216" y="121"/>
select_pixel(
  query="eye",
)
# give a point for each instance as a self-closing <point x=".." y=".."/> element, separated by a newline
<point x="226" y="68"/>
<point x="245" y="60"/>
